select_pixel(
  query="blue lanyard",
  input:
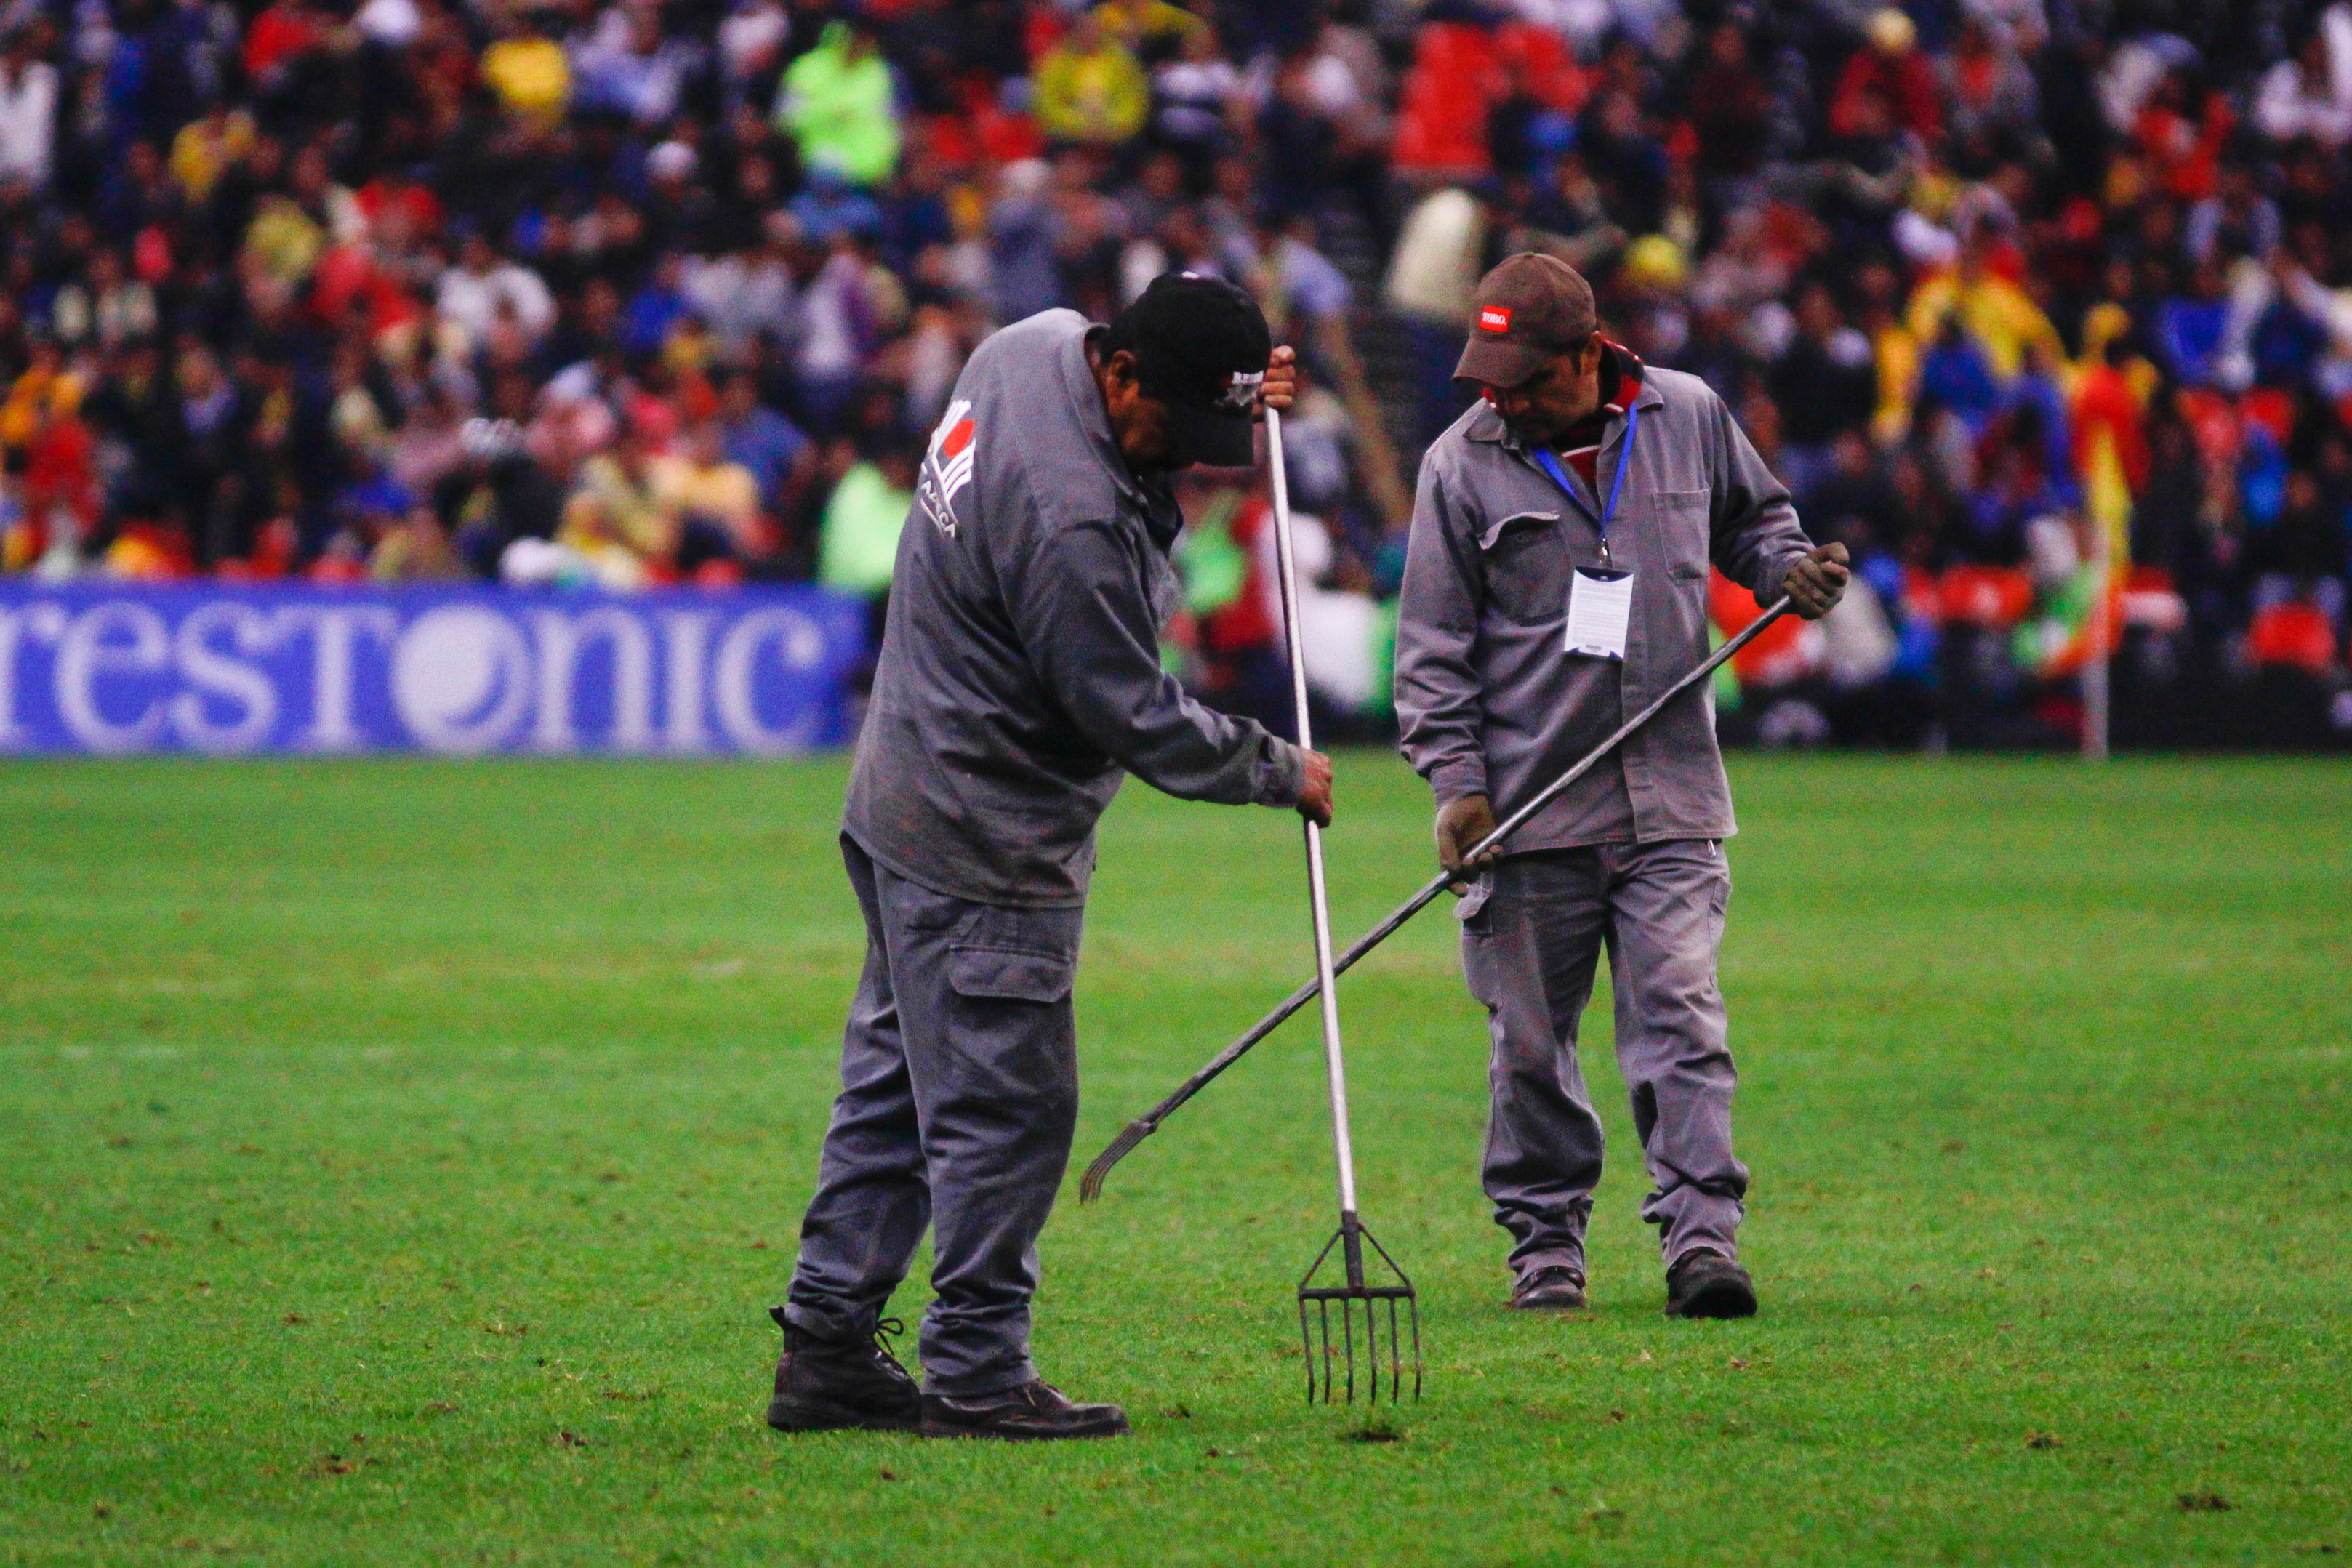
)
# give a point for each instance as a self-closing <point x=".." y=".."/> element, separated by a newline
<point x="1551" y="465"/>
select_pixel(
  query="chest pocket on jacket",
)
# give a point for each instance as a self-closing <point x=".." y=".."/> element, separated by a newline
<point x="1684" y="529"/>
<point x="1526" y="561"/>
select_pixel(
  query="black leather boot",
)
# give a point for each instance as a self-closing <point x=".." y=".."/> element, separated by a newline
<point x="827" y="1385"/>
<point x="1707" y="1284"/>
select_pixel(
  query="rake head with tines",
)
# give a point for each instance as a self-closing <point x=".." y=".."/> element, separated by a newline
<point x="1327" y="1370"/>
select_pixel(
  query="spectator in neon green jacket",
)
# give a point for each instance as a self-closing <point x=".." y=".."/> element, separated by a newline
<point x="836" y="101"/>
<point x="1090" y="88"/>
<point x="859" y="541"/>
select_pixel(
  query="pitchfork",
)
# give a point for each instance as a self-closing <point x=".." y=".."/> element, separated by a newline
<point x="1352" y="1238"/>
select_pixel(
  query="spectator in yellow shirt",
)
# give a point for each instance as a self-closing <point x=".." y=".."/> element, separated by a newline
<point x="2002" y="316"/>
<point x="615" y="518"/>
<point x="638" y="514"/>
<point x="1153" y="29"/>
<point x="715" y="501"/>
<point x="1895" y="350"/>
<point x="1090" y="88"/>
<point x="204" y="149"/>
<point x="44" y="388"/>
<point x="527" y="71"/>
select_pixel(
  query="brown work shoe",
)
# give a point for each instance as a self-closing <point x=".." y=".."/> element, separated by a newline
<point x="1035" y="1410"/>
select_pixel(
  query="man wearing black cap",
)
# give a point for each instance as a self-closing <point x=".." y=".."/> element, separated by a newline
<point x="1556" y="581"/>
<point x="1018" y="683"/>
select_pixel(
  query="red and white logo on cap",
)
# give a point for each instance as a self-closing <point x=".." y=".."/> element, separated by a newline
<point x="1241" y="392"/>
<point x="1494" y="318"/>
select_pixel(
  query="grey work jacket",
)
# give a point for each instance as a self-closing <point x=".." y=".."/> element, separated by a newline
<point x="1489" y="702"/>
<point x="1019" y="677"/>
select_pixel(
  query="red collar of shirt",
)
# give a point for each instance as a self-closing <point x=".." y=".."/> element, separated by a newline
<point x="1621" y="383"/>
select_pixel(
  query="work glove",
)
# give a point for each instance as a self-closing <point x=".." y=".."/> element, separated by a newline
<point x="1460" y="824"/>
<point x="1817" y="583"/>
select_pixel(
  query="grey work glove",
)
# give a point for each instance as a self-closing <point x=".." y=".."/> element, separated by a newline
<point x="1461" y="824"/>
<point x="1816" y="583"/>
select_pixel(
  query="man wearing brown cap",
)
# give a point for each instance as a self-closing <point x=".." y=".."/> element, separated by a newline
<point x="1555" y="581"/>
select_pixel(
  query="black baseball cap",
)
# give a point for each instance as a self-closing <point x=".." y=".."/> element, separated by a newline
<point x="1201" y="345"/>
<point x="1529" y="307"/>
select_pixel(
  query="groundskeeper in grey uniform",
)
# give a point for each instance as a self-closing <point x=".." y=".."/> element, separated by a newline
<point x="1557" y="580"/>
<point x="1018" y="683"/>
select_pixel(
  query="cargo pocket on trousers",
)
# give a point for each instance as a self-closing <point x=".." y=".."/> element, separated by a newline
<point x="1009" y="974"/>
<point x="1476" y="916"/>
<point x="1014" y="1039"/>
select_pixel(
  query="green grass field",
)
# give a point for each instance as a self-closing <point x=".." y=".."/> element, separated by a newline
<point x="400" y="1159"/>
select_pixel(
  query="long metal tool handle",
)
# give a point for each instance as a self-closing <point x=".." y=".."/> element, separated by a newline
<point x="1143" y="1126"/>
<point x="1335" y="1064"/>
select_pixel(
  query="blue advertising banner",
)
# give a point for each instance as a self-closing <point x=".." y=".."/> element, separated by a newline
<point x="118" y="667"/>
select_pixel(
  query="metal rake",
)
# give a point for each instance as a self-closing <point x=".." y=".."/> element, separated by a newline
<point x="1315" y="1330"/>
<point x="1090" y="1186"/>
<point x="1351" y="1237"/>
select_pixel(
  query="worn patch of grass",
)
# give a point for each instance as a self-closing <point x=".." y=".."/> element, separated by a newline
<point x="400" y="1157"/>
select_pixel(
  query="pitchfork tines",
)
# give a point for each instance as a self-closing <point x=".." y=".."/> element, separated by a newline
<point x="1314" y="1325"/>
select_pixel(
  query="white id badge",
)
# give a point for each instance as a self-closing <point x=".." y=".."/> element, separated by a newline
<point x="1598" y="606"/>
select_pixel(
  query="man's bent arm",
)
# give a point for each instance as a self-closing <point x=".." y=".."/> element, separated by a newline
<point x="1440" y="716"/>
<point x="1088" y="623"/>
<point x="1756" y="536"/>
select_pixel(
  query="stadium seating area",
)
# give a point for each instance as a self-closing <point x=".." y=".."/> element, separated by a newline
<point x="2043" y="306"/>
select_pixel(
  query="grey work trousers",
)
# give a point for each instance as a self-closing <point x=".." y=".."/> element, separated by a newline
<point x="1532" y="931"/>
<point x="959" y="1096"/>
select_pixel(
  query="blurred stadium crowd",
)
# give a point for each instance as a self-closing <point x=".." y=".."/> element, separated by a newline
<point x="2043" y="306"/>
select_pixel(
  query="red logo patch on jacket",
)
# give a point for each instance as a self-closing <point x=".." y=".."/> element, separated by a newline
<point x="947" y="467"/>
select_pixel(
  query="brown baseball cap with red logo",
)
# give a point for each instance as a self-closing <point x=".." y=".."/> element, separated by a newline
<point x="1529" y="307"/>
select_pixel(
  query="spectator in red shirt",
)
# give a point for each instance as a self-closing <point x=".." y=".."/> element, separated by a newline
<point x="1730" y="108"/>
<point x="1892" y="68"/>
